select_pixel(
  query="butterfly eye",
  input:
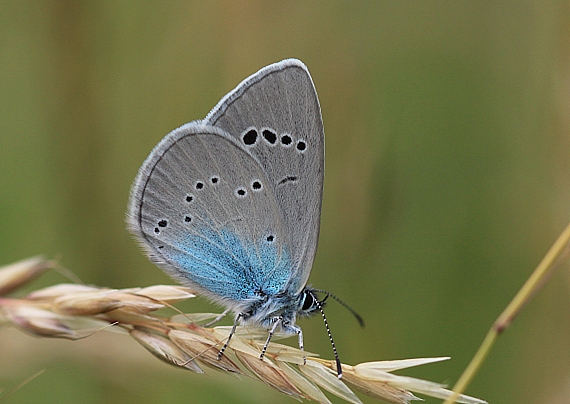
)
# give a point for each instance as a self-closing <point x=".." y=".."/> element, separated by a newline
<point x="309" y="302"/>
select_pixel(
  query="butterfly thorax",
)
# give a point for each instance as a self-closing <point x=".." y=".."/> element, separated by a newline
<point x="264" y="310"/>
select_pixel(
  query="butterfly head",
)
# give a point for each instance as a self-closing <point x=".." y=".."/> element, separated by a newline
<point x="310" y="303"/>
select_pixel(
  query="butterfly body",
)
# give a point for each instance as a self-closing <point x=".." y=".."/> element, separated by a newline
<point x="230" y="205"/>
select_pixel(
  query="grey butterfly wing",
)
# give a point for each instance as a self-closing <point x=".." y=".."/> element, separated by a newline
<point x="203" y="209"/>
<point x="275" y="114"/>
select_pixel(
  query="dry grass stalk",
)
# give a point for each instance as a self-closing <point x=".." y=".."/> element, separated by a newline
<point x="75" y="311"/>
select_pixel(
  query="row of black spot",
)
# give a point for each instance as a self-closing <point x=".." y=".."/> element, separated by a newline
<point x="251" y="136"/>
<point x="255" y="186"/>
<point x="240" y="192"/>
<point x="162" y="223"/>
<point x="200" y="185"/>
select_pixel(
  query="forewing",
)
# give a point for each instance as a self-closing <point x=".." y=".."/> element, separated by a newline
<point x="275" y="114"/>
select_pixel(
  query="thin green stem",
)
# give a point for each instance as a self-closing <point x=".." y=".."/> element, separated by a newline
<point x="531" y="286"/>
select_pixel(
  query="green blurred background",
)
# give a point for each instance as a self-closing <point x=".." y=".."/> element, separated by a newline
<point x="447" y="176"/>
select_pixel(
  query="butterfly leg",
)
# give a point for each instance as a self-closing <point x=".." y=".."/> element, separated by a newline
<point x="301" y="346"/>
<point x="292" y="328"/>
<point x="214" y="321"/>
<point x="232" y="332"/>
<point x="277" y="321"/>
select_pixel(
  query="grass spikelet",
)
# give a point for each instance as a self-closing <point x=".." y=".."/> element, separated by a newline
<point x="73" y="311"/>
<point x="14" y="275"/>
<point x="164" y="349"/>
<point x="269" y="373"/>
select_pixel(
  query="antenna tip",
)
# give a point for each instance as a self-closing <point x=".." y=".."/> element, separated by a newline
<point x="338" y="368"/>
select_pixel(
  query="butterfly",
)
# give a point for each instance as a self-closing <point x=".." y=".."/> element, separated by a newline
<point x="230" y="205"/>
